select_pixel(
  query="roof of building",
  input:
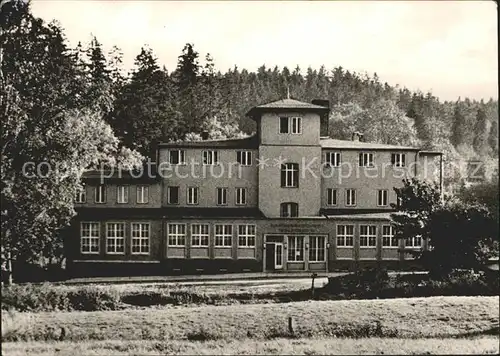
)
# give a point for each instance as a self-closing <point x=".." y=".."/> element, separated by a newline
<point x="287" y="104"/>
<point x="360" y="216"/>
<point x="348" y="144"/>
<point x="169" y="212"/>
<point x="212" y="212"/>
<point x="247" y="142"/>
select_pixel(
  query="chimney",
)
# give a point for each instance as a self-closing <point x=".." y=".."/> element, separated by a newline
<point x="323" y="126"/>
<point x="357" y="136"/>
<point x="204" y="135"/>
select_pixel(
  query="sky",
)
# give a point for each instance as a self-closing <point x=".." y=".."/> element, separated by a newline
<point x="447" y="47"/>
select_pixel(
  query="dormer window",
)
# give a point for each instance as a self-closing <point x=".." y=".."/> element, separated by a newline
<point x="292" y="125"/>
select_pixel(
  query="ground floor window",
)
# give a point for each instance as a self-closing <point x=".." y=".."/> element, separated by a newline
<point x="317" y="246"/>
<point x="199" y="235"/>
<point x="367" y="236"/>
<point x="246" y="235"/>
<point x="413" y="242"/>
<point x="345" y="235"/>
<point x="295" y="248"/>
<point x="89" y="232"/>
<point x="140" y="238"/>
<point x="388" y="239"/>
<point x="223" y="235"/>
<point x="176" y="234"/>
<point x="115" y="238"/>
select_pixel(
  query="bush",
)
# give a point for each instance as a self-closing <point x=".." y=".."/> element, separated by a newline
<point x="464" y="282"/>
<point x="46" y="297"/>
<point x="91" y="298"/>
<point x="363" y="284"/>
<point x="34" y="298"/>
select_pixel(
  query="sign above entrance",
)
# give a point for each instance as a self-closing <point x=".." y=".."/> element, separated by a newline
<point x="298" y="228"/>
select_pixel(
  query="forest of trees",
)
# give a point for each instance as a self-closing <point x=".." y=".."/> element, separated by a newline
<point x="78" y="107"/>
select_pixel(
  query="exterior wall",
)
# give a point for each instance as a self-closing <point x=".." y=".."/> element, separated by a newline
<point x="208" y="178"/>
<point x="269" y="130"/>
<point x="366" y="181"/>
<point x="307" y="195"/>
<point x="154" y="200"/>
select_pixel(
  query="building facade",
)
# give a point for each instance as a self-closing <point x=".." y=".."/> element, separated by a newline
<point x="288" y="198"/>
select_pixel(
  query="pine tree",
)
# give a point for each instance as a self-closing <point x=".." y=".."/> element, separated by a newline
<point x="186" y="81"/>
<point x="144" y="112"/>
<point x="493" y="138"/>
<point x="480" y="142"/>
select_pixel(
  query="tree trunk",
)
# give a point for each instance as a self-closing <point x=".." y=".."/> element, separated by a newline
<point x="9" y="269"/>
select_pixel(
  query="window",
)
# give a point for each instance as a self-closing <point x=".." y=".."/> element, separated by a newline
<point x="332" y="159"/>
<point x="246" y="235"/>
<point x="241" y="196"/>
<point x="291" y="125"/>
<point x="317" y="247"/>
<point x="414" y="242"/>
<point x="122" y="194"/>
<point x="350" y="197"/>
<point x="210" y="157"/>
<point x="382" y="197"/>
<point x="192" y="195"/>
<point x="295" y="248"/>
<point x="173" y="195"/>
<point x="296" y="125"/>
<point x="283" y="125"/>
<point x="142" y="194"/>
<point x="176" y="234"/>
<point x="221" y="196"/>
<point x="388" y="239"/>
<point x="140" y="238"/>
<point x="81" y="195"/>
<point x="289" y="210"/>
<point x="366" y="159"/>
<point x="367" y="236"/>
<point x="345" y="235"/>
<point x="89" y="232"/>
<point x="398" y="159"/>
<point x="100" y="194"/>
<point x="115" y="238"/>
<point x="244" y="158"/>
<point x="331" y="196"/>
<point x="290" y="175"/>
<point x="223" y="235"/>
<point x="177" y="157"/>
<point x="199" y="235"/>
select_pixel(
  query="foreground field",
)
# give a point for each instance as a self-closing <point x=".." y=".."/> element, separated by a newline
<point x="434" y="317"/>
<point x="370" y="346"/>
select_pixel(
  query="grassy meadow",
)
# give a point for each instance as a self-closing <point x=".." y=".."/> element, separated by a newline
<point x="318" y="346"/>
<point x="407" y="325"/>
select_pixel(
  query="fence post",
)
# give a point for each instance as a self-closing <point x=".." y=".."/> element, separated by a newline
<point x="290" y="325"/>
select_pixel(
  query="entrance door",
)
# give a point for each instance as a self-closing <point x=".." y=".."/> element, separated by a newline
<point x="278" y="256"/>
<point x="270" y="256"/>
